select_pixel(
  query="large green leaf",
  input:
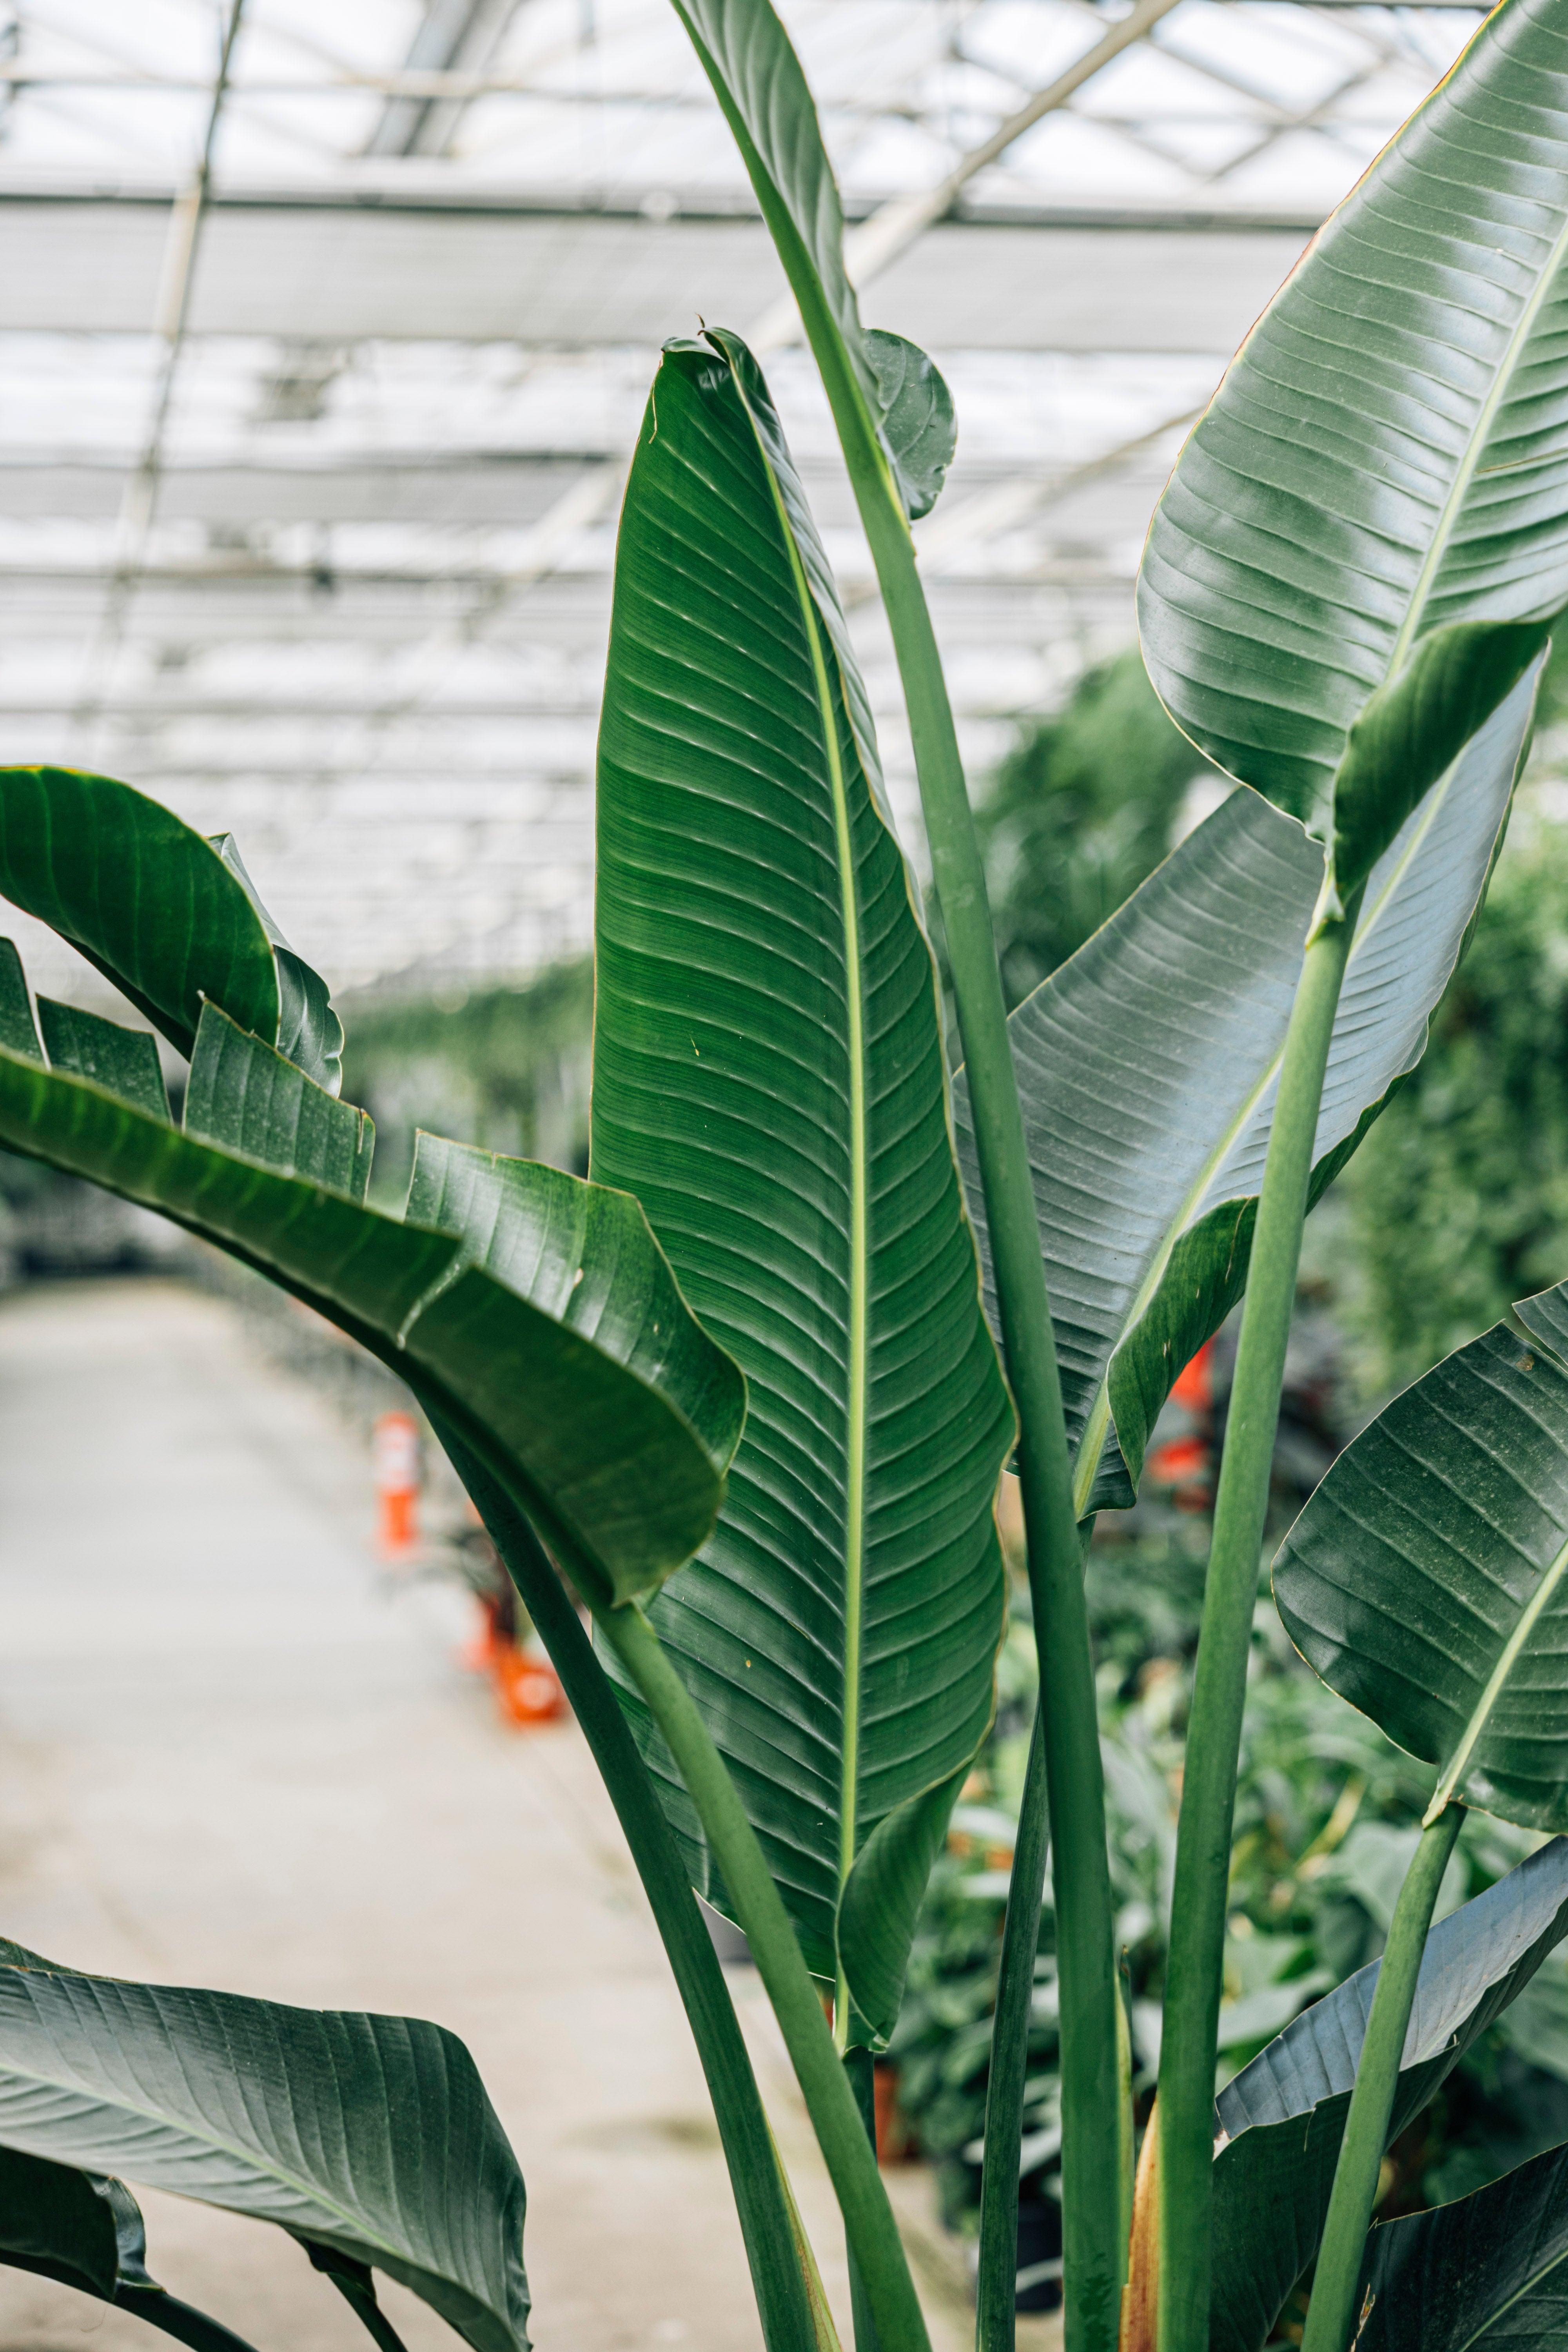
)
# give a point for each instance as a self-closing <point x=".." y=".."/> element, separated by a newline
<point x="1427" y="1579"/>
<point x="1384" y="456"/>
<point x="583" y="1379"/>
<point x="1281" y="2121"/>
<point x="371" y="2136"/>
<point x="1489" y="2271"/>
<point x="768" y="1080"/>
<point x="139" y="895"/>
<point x="1148" y="1066"/>
<point x="901" y="399"/>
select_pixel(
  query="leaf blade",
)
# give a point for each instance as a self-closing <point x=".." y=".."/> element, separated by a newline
<point x="1380" y="459"/>
<point x="769" y="1082"/>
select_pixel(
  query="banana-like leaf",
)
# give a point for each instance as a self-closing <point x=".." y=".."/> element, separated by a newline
<point x="768" y="1080"/>
<point x="1148" y="1067"/>
<point x="1488" y="2271"/>
<point x="1427" y="1579"/>
<point x="767" y="102"/>
<point x="309" y="1030"/>
<point x="141" y="895"/>
<point x="368" y="2135"/>
<point x="1385" y="455"/>
<point x="1281" y="2121"/>
<point x="583" y="1378"/>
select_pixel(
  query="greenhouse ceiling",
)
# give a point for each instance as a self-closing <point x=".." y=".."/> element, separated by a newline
<point x="326" y="330"/>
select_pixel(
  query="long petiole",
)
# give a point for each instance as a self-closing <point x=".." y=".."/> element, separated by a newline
<point x="1093" y="2250"/>
<point x="869" y="2224"/>
<point x="996" y="2286"/>
<point x="1331" y="2309"/>
<point x="1194" y="1966"/>
<point x="782" y="2271"/>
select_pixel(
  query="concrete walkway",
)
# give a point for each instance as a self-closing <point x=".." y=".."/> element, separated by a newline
<point x="231" y="1755"/>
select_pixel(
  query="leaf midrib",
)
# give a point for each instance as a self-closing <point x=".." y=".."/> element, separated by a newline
<point x="1465" y="473"/>
<point x="857" y="1368"/>
<point x="1087" y="1464"/>
<point x="1497" y="1683"/>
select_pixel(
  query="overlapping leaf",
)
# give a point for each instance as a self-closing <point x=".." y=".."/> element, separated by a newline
<point x="369" y="2135"/>
<point x="901" y="398"/>
<point x="1384" y="456"/>
<point x="768" y="1080"/>
<point x="139" y="895"/>
<point x="573" y="1366"/>
<point x="1488" y="2271"/>
<point x="1281" y="2121"/>
<point x="1426" y="1580"/>
<point x="1148" y="1067"/>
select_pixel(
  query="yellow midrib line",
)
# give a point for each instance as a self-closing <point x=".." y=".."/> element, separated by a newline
<point x="1086" y="1469"/>
<point x="858" y="1383"/>
<point x="1497" y="1683"/>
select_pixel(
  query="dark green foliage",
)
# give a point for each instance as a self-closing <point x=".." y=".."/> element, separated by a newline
<point x="1078" y="814"/>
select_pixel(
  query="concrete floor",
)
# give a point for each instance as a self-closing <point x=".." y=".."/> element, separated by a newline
<point x="233" y="1753"/>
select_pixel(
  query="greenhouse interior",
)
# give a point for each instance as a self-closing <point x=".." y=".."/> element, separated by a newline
<point x="784" y="1163"/>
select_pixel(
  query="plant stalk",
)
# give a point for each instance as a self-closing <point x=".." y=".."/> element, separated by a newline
<point x="768" y="2225"/>
<point x="1093" y="2251"/>
<point x="1194" y="1966"/>
<point x="996" y="2286"/>
<point x="861" y="2068"/>
<point x="869" y="2227"/>
<point x="1331" y="2311"/>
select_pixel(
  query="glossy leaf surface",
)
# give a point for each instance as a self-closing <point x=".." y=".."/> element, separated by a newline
<point x="262" y="1103"/>
<point x="369" y="2134"/>
<point x="144" y="898"/>
<point x="1281" y="2121"/>
<point x="556" y="1384"/>
<point x="1148" y="1067"/>
<point x="757" y="79"/>
<point x="769" y="1082"/>
<point x="1385" y="455"/>
<point x="123" y="1060"/>
<point x="1488" y="2271"/>
<point x="1427" y="1579"/>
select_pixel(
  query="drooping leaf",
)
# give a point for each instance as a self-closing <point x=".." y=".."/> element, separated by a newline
<point x="1148" y="1066"/>
<point x="1281" y="2121"/>
<point x="767" y="102"/>
<point x="768" y="1080"/>
<point x="123" y="1061"/>
<point x="141" y="895"/>
<point x="612" y="1426"/>
<point x="1427" y="1579"/>
<point x="1385" y="455"/>
<point x="308" y="1030"/>
<point x="297" y="2117"/>
<point x="1488" y="2271"/>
